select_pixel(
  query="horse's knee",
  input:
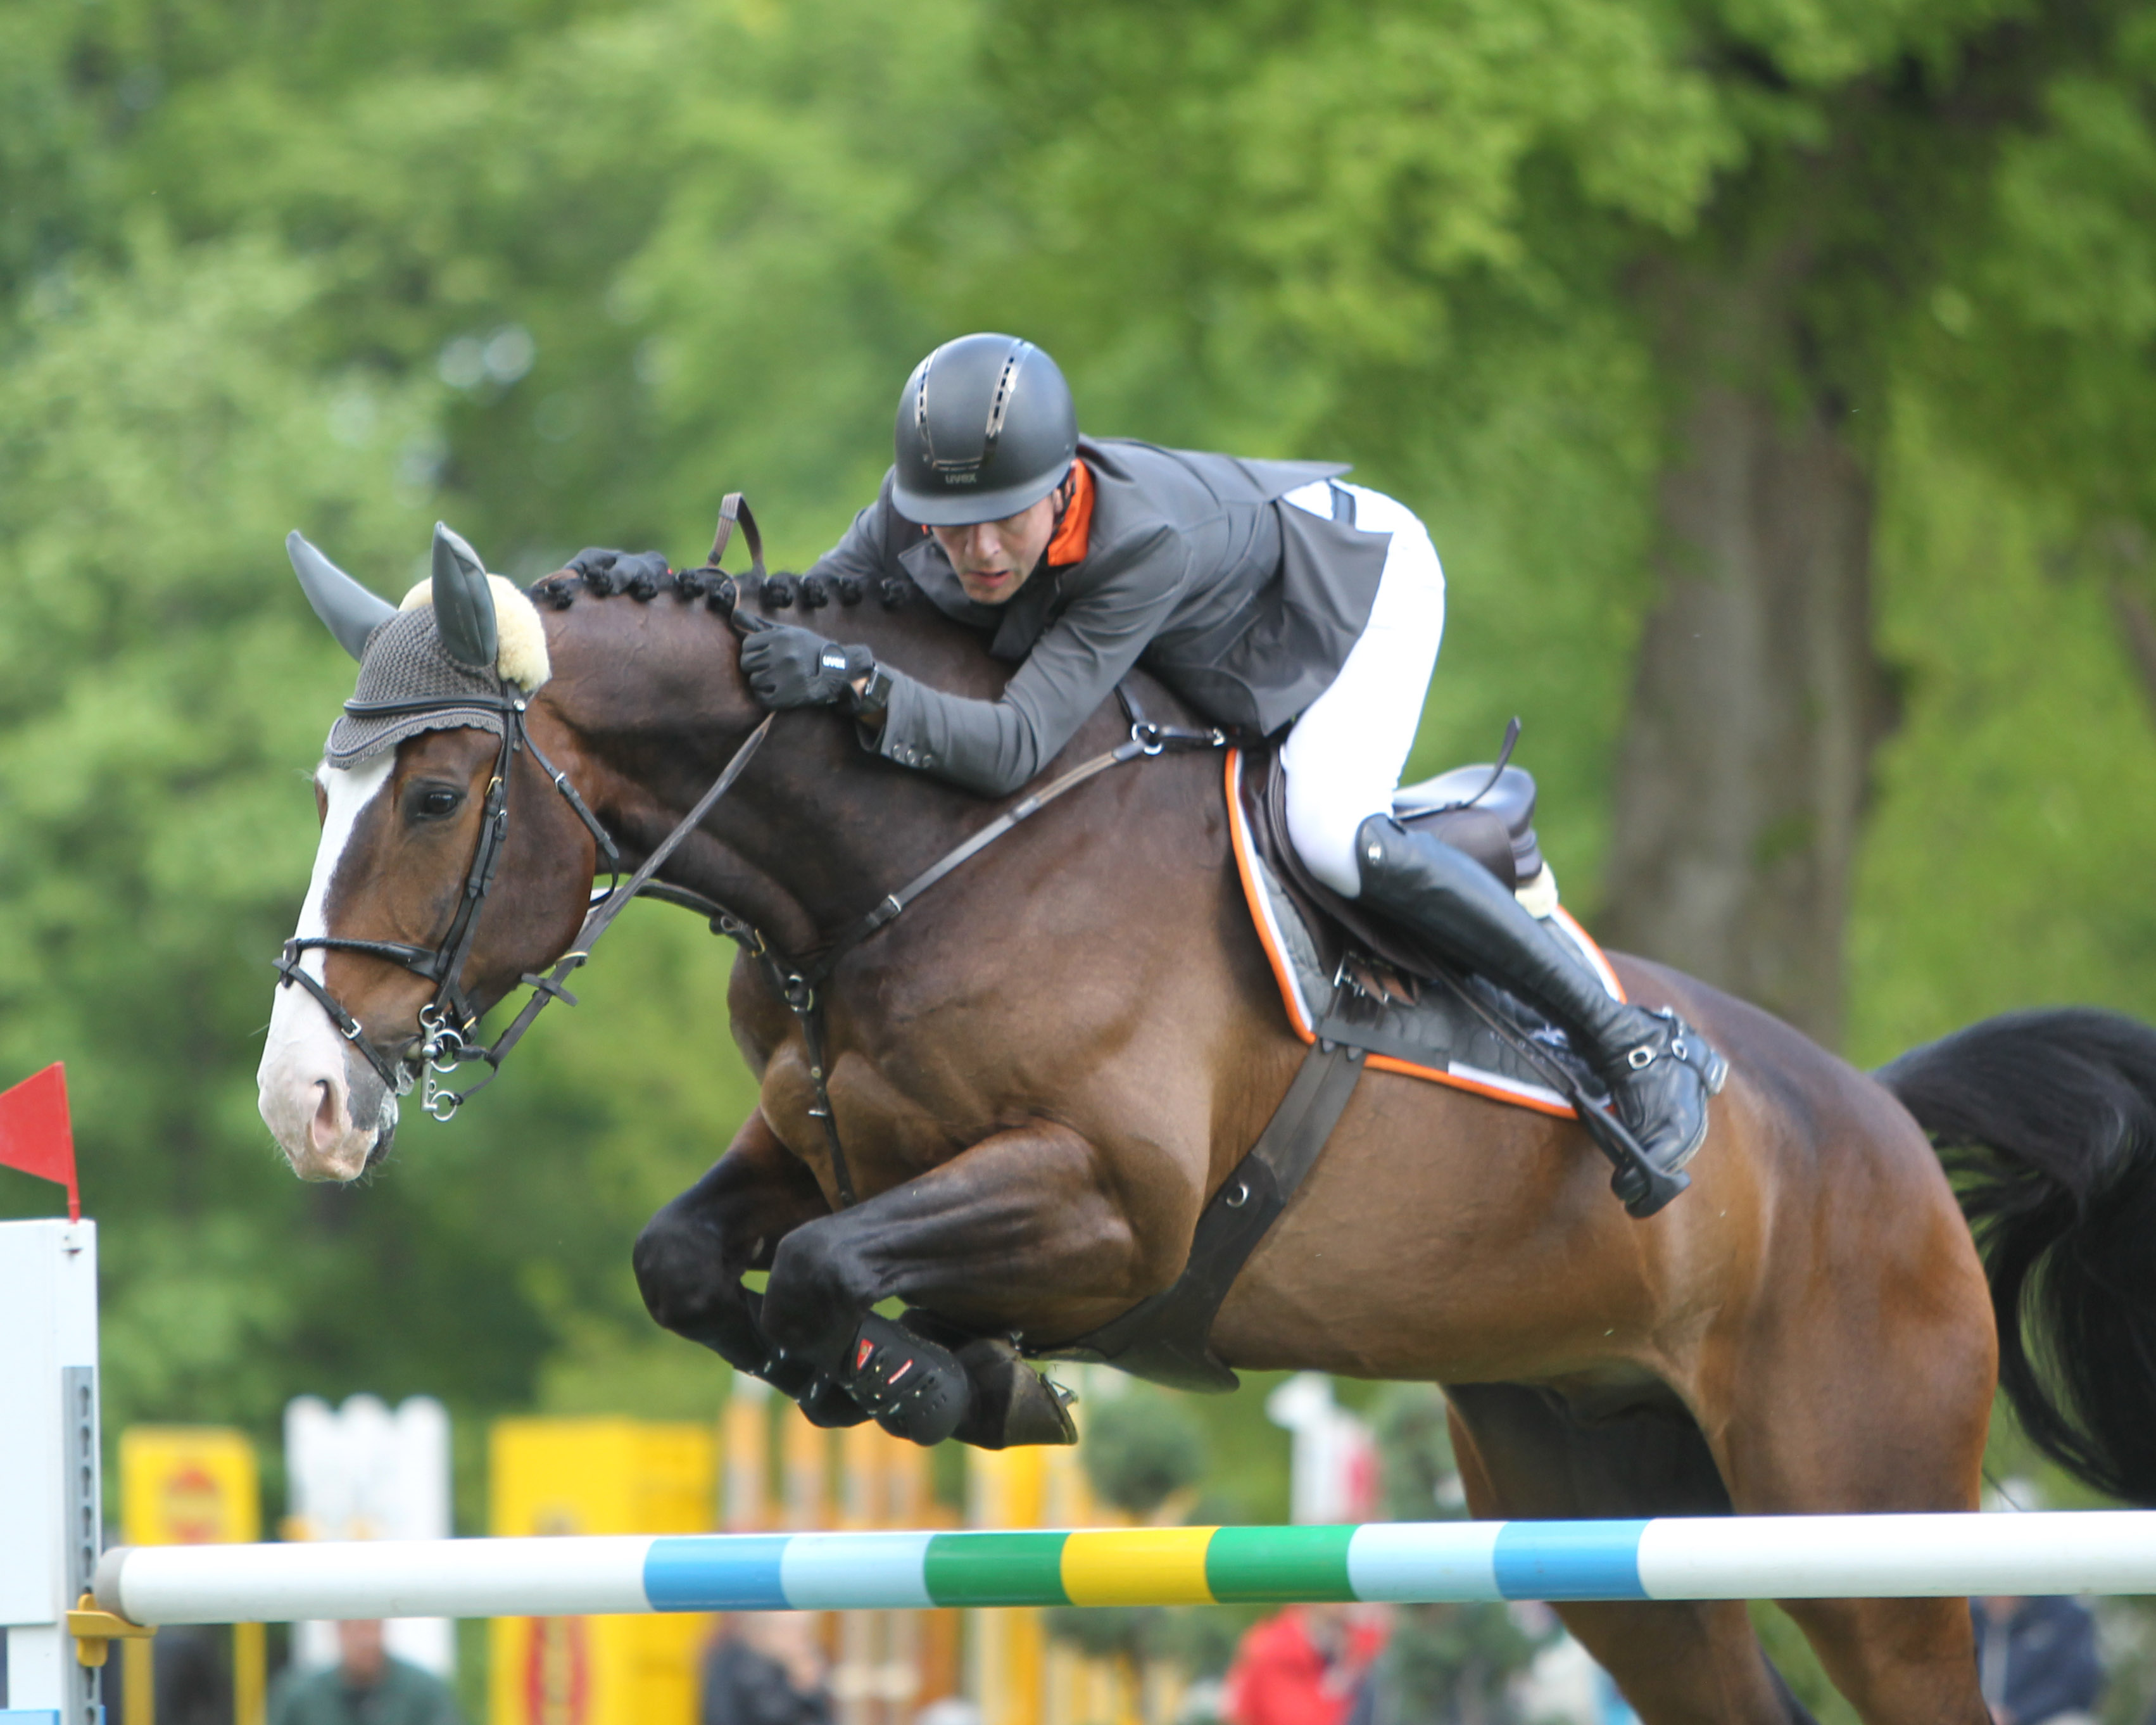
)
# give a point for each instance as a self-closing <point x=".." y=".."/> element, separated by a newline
<point x="676" y="1261"/>
<point x="689" y="1288"/>
<point x="814" y="1303"/>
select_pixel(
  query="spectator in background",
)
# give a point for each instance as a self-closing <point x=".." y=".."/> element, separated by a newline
<point x="2036" y="1660"/>
<point x="766" y="1669"/>
<point x="366" y="1687"/>
<point x="1307" y="1666"/>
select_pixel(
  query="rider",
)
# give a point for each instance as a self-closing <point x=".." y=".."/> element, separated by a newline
<point x="1265" y="594"/>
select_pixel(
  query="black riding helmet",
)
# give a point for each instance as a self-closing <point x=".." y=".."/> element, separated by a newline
<point x="986" y="428"/>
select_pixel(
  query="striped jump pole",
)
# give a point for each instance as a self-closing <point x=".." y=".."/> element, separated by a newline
<point x="1727" y="1558"/>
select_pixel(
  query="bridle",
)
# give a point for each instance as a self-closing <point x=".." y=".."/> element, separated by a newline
<point x="449" y="1024"/>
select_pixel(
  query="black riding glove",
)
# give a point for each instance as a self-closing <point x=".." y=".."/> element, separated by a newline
<point x="789" y="667"/>
<point x="617" y="570"/>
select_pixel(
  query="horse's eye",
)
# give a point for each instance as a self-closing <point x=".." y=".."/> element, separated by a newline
<point x="435" y="802"/>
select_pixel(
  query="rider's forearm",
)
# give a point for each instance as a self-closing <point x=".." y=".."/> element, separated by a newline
<point x="990" y="747"/>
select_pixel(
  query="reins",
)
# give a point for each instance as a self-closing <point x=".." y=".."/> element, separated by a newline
<point x="447" y="1022"/>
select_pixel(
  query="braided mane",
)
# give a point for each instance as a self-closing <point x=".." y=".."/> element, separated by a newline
<point x="721" y="592"/>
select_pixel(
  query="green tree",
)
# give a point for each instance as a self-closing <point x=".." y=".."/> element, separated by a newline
<point x="564" y="272"/>
<point x="267" y="254"/>
<point x="1700" y="249"/>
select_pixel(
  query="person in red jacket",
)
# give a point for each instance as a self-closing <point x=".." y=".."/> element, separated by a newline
<point x="1305" y="1667"/>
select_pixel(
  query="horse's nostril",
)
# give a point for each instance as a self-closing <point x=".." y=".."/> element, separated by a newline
<point x="325" y="1129"/>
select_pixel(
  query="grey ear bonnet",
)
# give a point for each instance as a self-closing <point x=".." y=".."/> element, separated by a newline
<point x="407" y="660"/>
<point x="351" y="612"/>
<point x="464" y="635"/>
<point x="464" y="602"/>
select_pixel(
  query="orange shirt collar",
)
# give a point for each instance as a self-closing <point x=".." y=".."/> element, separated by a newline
<point x="1068" y="545"/>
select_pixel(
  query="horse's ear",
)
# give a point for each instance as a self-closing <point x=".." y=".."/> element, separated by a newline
<point x="463" y="601"/>
<point x="351" y="613"/>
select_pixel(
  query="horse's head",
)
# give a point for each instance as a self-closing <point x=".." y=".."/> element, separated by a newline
<point x="399" y="941"/>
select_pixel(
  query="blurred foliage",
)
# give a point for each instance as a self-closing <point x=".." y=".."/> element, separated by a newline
<point x="565" y="270"/>
<point x="1140" y="1449"/>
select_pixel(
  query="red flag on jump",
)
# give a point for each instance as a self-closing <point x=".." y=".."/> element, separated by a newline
<point x="35" y="1134"/>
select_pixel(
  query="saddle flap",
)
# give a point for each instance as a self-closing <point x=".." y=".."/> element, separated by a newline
<point x="1339" y="923"/>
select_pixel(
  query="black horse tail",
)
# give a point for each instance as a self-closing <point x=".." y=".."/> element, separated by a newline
<point x="2047" y="1121"/>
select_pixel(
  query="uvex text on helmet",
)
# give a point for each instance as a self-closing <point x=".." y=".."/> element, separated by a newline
<point x="986" y="428"/>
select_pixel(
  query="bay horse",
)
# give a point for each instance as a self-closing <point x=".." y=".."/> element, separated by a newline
<point x="1042" y="1070"/>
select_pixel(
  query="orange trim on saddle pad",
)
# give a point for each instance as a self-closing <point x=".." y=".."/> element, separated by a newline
<point x="1269" y="937"/>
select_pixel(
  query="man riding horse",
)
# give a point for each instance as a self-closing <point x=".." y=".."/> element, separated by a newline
<point x="1266" y="593"/>
<point x="1041" y="1126"/>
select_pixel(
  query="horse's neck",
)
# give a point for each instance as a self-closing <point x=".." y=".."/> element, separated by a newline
<point x="817" y="829"/>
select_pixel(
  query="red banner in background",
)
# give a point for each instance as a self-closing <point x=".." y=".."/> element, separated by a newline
<point x="34" y="1133"/>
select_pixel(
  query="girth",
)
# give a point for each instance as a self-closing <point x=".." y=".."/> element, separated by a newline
<point x="1166" y="1338"/>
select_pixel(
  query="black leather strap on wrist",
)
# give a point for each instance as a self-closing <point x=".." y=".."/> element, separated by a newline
<point x="873" y="700"/>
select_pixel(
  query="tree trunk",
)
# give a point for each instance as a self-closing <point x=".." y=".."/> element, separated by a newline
<point x="1757" y="699"/>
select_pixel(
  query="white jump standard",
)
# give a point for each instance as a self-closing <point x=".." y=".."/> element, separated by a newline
<point x="50" y="1524"/>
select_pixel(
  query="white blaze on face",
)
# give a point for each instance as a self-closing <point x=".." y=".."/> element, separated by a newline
<point x="305" y="1078"/>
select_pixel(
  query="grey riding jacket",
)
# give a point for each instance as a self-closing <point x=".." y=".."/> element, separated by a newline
<point x="1194" y="568"/>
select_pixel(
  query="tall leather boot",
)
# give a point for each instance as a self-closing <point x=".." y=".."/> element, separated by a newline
<point x="1660" y="1072"/>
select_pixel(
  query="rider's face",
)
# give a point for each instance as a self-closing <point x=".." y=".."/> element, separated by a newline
<point x="993" y="558"/>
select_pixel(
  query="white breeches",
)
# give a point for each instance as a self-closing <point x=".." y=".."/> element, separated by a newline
<point x="1344" y="755"/>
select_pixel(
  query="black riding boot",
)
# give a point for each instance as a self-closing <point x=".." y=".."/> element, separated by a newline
<point x="1660" y="1073"/>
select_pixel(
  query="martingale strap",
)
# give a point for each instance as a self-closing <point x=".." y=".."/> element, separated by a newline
<point x="800" y="984"/>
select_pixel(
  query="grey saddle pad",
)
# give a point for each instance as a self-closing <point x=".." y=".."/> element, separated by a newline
<point x="1345" y="977"/>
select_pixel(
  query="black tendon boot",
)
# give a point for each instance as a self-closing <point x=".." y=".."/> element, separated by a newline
<point x="913" y="1387"/>
<point x="1660" y="1072"/>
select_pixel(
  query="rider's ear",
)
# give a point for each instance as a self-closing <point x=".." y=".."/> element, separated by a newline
<point x="463" y="601"/>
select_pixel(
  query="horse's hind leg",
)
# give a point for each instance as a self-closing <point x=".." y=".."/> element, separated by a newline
<point x="1523" y="1454"/>
<point x="1878" y="1402"/>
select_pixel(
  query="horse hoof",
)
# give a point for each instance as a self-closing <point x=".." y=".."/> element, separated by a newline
<point x="1013" y="1405"/>
<point x="830" y="1406"/>
<point x="914" y="1388"/>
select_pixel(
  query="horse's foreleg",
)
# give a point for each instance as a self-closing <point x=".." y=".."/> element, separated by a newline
<point x="1024" y="1229"/>
<point x="690" y="1257"/>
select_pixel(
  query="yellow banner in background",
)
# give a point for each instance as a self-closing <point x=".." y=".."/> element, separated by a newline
<point x="599" y="1476"/>
<point x="188" y="1484"/>
<point x="192" y="1485"/>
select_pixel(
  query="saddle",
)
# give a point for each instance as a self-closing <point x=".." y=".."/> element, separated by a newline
<point x="1348" y="976"/>
<point x="1360" y="992"/>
